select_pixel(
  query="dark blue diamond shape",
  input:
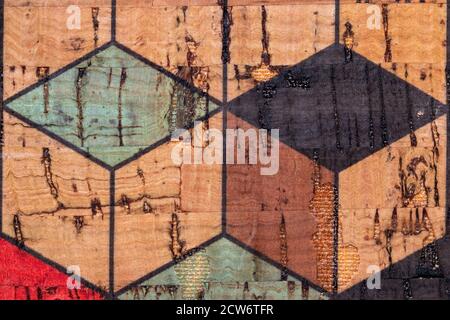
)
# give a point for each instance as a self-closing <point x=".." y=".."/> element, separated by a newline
<point x="342" y="111"/>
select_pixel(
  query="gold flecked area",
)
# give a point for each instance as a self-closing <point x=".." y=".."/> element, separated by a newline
<point x="192" y="274"/>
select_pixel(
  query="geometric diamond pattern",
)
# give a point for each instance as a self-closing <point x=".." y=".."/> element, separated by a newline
<point x="88" y="180"/>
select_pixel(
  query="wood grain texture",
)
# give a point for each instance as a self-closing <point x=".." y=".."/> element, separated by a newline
<point x="55" y="201"/>
<point x="55" y="3"/>
<point x="163" y="210"/>
<point x="403" y="178"/>
<point x="167" y="3"/>
<point x="279" y="2"/>
<point x="186" y="40"/>
<point x="416" y="53"/>
<point x="36" y="35"/>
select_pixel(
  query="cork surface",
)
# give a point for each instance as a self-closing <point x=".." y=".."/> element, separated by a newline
<point x="36" y="36"/>
<point x="123" y="161"/>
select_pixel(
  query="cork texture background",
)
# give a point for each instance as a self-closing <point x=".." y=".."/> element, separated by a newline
<point x="93" y="91"/>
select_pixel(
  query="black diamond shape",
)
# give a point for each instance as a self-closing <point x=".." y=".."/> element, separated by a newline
<point x="343" y="111"/>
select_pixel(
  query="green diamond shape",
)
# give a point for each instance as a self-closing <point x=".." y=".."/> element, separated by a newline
<point x="112" y="105"/>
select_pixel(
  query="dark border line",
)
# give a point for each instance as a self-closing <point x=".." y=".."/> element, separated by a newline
<point x="167" y="266"/>
<point x="167" y="73"/>
<point x="230" y="238"/>
<point x="57" y="138"/>
<point x="112" y="216"/>
<point x="225" y="50"/>
<point x="52" y="264"/>
<point x="337" y="21"/>
<point x="275" y="264"/>
<point x="340" y="47"/>
<point x="59" y="72"/>
<point x="113" y="19"/>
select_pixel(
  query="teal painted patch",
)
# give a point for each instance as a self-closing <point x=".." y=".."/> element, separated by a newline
<point x="112" y="105"/>
<point x="228" y="272"/>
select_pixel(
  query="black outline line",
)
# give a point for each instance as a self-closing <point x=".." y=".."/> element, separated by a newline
<point x="166" y="266"/>
<point x="446" y="206"/>
<point x="112" y="216"/>
<point x="219" y="237"/>
<point x="58" y="267"/>
<point x="141" y="153"/>
<point x="337" y="46"/>
<point x="113" y="19"/>
<point x="225" y="48"/>
<point x="335" y="289"/>
<point x="128" y="51"/>
<point x="337" y="21"/>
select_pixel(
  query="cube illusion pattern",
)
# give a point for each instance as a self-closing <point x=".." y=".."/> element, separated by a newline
<point x="88" y="179"/>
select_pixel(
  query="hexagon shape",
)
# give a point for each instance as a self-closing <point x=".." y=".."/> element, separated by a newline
<point x="164" y="210"/>
<point x="55" y="201"/>
<point x="111" y="106"/>
<point x="41" y="37"/>
<point x="339" y="115"/>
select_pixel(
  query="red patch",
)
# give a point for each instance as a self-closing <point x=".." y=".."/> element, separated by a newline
<point x="24" y="277"/>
